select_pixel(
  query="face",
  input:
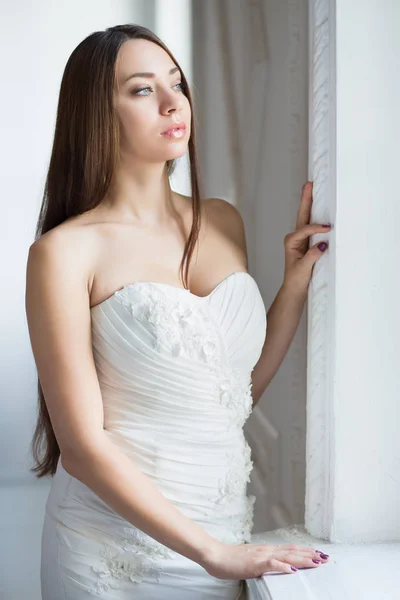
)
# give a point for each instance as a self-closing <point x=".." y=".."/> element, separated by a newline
<point x="150" y="100"/>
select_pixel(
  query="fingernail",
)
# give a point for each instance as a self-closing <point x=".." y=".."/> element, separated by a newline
<point x="293" y="568"/>
<point x="326" y="225"/>
<point x="324" y="555"/>
<point x="317" y="562"/>
<point x="322" y="246"/>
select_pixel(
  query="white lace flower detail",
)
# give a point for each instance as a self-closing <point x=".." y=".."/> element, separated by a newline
<point x="102" y="587"/>
<point x="140" y="543"/>
<point x="178" y="325"/>
<point x="234" y="482"/>
<point x="239" y="527"/>
<point x="243" y="526"/>
<point x="234" y="390"/>
<point x="248" y="521"/>
<point x="131" y="559"/>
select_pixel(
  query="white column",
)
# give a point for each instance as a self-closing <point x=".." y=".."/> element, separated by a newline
<point x="353" y="405"/>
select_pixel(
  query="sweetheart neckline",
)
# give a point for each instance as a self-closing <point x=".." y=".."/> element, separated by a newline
<point x="170" y="285"/>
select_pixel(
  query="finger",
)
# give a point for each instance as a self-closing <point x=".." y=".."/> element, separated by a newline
<point x="304" y="553"/>
<point x="293" y="547"/>
<point x="306" y="231"/>
<point x="307" y="262"/>
<point x="296" y="548"/>
<point x="304" y="212"/>
<point x="299" y="560"/>
<point x="284" y="547"/>
<point x="315" y="252"/>
<point x="273" y="564"/>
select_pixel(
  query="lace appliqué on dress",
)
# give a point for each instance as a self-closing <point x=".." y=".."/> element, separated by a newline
<point x="239" y="526"/>
<point x="231" y="487"/>
<point x="132" y="558"/>
<point x="184" y="328"/>
<point x="178" y="325"/>
<point x="234" y="391"/>
<point x="242" y="527"/>
<point x="233" y="484"/>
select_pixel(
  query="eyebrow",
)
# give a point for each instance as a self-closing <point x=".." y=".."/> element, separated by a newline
<point x="173" y="70"/>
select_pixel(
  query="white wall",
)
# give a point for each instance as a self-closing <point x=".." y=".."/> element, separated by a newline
<point x="367" y="404"/>
<point x="36" y="41"/>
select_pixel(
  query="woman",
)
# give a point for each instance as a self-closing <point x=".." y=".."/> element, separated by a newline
<point x="145" y="384"/>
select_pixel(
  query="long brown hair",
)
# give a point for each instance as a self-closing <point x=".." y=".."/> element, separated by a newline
<point x="84" y="154"/>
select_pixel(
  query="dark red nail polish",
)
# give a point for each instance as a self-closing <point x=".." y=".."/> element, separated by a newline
<point x="317" y="562"/>
<point x="293" y="568"/>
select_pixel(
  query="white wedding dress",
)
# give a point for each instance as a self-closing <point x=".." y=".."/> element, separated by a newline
<point x="175" y="376"/>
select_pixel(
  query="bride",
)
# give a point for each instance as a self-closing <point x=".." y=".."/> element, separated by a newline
<point x="149" y="362"/>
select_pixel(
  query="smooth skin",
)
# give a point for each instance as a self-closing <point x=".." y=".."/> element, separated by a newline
<point x="253" y="560"/>
<point x="84" y="260"/>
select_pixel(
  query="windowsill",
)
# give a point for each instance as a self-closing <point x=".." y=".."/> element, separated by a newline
<point x="353" y="572"/>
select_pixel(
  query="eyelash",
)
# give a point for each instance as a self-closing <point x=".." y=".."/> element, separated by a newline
<point x="136" y="92"/>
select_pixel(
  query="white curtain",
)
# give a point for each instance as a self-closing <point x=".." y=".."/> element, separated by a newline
<point x="250" y="91"/>
<point x="231" y="60"/>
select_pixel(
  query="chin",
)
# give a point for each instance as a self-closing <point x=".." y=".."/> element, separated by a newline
<point x="177" y="152"/>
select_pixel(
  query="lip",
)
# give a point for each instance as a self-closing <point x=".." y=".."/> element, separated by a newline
<point x="181" y="126"/>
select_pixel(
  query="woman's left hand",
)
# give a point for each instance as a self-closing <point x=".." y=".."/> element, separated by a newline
<point x="299" y="258"/>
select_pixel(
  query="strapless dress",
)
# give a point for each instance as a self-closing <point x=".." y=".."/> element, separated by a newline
<point x="175" y="375"/>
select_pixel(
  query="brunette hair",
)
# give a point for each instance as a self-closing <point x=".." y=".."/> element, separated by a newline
<point x="84" y="154"/>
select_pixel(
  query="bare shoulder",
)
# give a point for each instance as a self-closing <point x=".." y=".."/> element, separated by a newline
<point x="222" y="210"/>
<point x="73" y="229"/>
<point x="220" y="214"/>
<point x="67" y="251"/>
<point x="222" y="231"/>
<point x="227" y="219"/>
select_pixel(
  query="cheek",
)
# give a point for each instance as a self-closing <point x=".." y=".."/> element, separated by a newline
<point x="135" y="121"/>
<point x="132" y="115"/>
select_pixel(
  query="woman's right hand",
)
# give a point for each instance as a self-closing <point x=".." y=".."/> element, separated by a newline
<point x="246" y="561"/>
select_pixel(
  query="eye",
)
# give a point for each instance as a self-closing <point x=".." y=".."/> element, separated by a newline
<point x="137" y="92"/>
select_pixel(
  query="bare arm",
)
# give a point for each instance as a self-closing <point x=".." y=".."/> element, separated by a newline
<point x="114" y="477"/>
<point x="283" y="319"/>
<point x="59" y="321"/>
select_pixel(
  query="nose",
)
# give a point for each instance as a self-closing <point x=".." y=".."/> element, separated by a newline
<point x="171" y="102"/>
